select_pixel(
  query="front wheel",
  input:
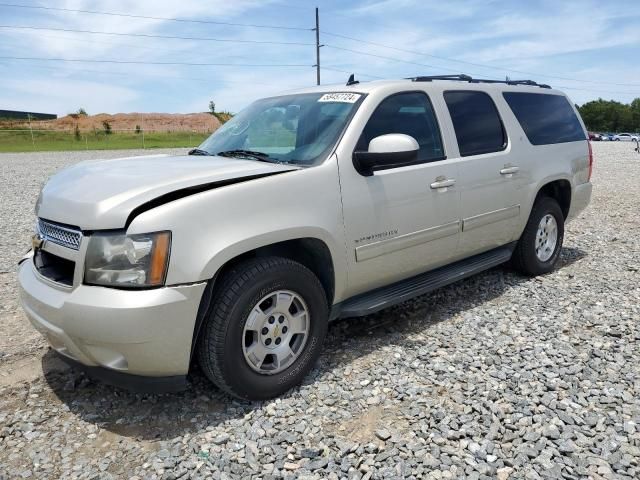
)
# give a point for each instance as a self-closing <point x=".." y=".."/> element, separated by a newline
<point x="265" y="328"/>
<point x="538" y="249"/>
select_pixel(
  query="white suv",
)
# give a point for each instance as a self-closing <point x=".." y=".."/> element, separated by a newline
<point x="625" y="137"/>
<point x="334" y="201"/>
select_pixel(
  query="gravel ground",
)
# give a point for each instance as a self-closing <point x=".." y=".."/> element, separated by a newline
<point x="497" y="376"/>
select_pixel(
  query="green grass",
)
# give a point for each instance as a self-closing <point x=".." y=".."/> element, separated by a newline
<point x="20" y="141"/>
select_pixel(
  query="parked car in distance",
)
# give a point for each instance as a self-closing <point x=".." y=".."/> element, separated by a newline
<point x="596" y="137"/>
<point x="606" y="137"/>
<point x="322" y="203"/>
<point x="625" y="137"/>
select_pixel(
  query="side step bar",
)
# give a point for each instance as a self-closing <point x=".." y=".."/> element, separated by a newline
<point x="384" y="297"/>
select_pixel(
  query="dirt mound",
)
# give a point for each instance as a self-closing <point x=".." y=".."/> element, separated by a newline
<point x="159" y="122"/>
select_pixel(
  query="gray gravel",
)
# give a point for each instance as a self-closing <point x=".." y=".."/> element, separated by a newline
<point x="497" y="376"/>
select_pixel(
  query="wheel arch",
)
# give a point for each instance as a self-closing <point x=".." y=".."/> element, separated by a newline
<point x="311" y="252"/>
<point x="560" y="191"/>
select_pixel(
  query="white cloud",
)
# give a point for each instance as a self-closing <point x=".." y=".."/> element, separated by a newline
<point x="527" y="37"/>
<point x="36" y="95"/>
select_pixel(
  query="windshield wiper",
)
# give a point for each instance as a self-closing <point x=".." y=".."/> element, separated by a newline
<point x="261" y="156"/>
<point x="198" y="151"/>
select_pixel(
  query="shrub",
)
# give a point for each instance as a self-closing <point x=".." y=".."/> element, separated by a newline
<point x="138" y="129"/>
<point x="107" y="127"/>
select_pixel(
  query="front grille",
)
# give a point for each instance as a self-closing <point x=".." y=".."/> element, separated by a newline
<point x="67" y="237"/>
<point x="55" y="268"/>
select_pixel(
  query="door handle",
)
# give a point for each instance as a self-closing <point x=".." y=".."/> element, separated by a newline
<point x="442" y="183"/>
<point x="509" y="170"/>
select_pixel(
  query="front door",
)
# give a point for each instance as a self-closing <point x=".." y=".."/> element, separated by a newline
<point x="401" y="221"/>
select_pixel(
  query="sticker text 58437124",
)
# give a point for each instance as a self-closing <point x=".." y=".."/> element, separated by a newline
<point x="343" y="97"/>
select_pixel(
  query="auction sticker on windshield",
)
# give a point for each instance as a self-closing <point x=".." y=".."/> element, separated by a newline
<point x="340" y="97"/>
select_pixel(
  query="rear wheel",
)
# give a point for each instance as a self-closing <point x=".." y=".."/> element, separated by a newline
<point x="538" y="249"/>
<point x="265" y="328"/>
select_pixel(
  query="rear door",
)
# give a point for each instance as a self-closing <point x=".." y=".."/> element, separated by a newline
<point x="490" y="196"/>
<point x="398" y="222"/>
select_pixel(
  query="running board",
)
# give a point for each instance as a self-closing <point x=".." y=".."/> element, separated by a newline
<point x="380" y="298"/>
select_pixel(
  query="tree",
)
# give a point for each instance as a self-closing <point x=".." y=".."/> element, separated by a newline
<point x="81" y="112"/>
<point x="611" y="116"/>
<point x="107" y="127"/>
<point x="76" y="132"/>
<point x="138" y="129"/>
<point x="212" y="107"/>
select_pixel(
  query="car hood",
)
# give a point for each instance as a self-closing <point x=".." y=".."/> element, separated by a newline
<point x="98" y="195"/>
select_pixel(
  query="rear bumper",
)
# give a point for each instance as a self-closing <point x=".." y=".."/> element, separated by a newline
<point x="144" y="333"/>
<point x="579" y="200"/>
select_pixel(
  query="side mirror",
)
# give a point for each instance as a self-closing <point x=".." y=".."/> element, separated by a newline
<point x="386" y="151"/>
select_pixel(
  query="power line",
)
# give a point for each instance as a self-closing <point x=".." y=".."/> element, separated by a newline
<point x="166" y="76"/>
<point x="349" y="72"/>
<point x="147" y="17"/>
<point x="147" y="35"/>
<point x="359" y="52"/>
<point x="561" y="87"/>
<point x="84" y="40"/>
<point x="139" y="62"/>
<point x="502" y="69"/>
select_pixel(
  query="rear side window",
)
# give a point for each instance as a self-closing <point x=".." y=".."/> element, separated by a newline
<point x="476" y="121"/>
<point x="409" y="113"/>
<point x="545" y="119"/>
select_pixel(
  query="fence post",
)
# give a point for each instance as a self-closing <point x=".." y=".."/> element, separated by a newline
<point x="33" y="143"/>
<point x="142" y="121"/>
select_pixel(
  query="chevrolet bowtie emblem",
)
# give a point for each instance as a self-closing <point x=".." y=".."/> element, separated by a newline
<point x="37" y="242"/>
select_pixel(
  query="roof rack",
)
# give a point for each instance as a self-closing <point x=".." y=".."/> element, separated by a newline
<point x="466" y="78"/>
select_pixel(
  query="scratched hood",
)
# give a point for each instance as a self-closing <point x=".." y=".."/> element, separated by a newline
<point x="97" y="195"/>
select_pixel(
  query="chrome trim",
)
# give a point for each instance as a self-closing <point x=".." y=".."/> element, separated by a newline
<point x="490" y="217"/>
<point x="64" y="236"/>
<point x="376" y="249"/>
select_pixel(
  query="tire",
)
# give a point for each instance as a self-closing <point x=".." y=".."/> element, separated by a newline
<point x="527" y="258"/>
<point x="226" y="349"/>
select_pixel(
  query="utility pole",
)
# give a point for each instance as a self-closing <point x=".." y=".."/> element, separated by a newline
<point x="317" y="65"/>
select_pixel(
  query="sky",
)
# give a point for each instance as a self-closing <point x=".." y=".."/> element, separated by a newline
<point x="589" y="49"/>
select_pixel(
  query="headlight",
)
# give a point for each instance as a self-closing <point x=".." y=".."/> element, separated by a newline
<point x="118" y="260"/>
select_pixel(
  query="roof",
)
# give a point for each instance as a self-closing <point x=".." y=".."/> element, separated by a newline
<point x="455" y="83"/>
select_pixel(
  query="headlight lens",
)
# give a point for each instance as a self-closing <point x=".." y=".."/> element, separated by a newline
<point x="118" y="260"/>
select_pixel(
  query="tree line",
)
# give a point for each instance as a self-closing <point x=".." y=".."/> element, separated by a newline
<point x="611" y="116"/>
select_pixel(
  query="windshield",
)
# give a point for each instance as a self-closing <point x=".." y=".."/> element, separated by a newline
<point x="296" y="129"/>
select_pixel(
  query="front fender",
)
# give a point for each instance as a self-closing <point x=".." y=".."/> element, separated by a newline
<point x="212" y="227"/>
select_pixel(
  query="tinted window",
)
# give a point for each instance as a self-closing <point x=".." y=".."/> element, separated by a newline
<point x="476" y="122"/>
<point x="408" y="113"/>
<point x="545" y="118"/>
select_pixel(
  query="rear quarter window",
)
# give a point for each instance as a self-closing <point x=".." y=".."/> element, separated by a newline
<point x="546" y="119"/>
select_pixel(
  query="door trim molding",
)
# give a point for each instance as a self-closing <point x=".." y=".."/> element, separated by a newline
<point x="490" y="217"/>
<point x="383" y="247"/>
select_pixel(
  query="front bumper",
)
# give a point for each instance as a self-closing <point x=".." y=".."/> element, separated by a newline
<point x="130" y="332"/>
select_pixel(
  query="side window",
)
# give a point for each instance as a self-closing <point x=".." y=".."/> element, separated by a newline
<point x="476" y="121"/>
<point x="408" y="113"/>
<point x="546" y="119"/>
